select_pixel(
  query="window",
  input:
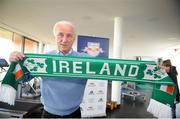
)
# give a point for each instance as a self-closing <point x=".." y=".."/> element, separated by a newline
<point x="30" y="46"/>
<point x="18" y="40"/>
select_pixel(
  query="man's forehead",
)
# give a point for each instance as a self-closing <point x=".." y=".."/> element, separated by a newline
<point x="64" y="32"/>
<point x="65" y="29"/>
<point x="64" y="26"/>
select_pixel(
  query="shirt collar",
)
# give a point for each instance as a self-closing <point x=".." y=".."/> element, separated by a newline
<point x="60" y="53"/>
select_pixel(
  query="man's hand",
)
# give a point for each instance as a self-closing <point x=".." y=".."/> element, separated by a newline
<point x="16" y="56"/>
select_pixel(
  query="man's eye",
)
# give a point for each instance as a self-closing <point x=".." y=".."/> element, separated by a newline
<point x="69" y="35"/>
<point x="60" y="35"/>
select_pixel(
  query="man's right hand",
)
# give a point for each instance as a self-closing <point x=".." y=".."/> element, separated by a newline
<point x="16" y="56"/>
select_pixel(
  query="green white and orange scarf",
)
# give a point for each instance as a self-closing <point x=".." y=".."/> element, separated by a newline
<point x="93" y="68"/>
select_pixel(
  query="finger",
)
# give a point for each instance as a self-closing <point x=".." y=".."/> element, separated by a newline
<point x="19" y="55"/>
<point x="16" y="56"/>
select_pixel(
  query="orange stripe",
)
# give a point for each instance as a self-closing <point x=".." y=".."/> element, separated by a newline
<point x="170" y="89"/>
<point x="18" y="74"/>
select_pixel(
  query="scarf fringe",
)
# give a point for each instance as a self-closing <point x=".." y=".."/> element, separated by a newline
<point x="7" y="94"/>
<point x="159" y="110"/>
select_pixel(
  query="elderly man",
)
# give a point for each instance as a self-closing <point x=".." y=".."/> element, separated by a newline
<point x="61" y="97"/>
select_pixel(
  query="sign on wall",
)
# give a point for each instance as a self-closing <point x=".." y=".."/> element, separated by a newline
<point x="94" y="46"/>
<point x="95" y="95"/>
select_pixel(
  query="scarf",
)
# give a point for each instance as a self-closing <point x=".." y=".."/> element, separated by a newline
<point x="85" y="68"/>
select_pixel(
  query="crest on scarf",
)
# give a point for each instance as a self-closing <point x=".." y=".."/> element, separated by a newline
<point x="152" y="72"/>
<point x="93" y="49"/>
<point x="35" y="65"/>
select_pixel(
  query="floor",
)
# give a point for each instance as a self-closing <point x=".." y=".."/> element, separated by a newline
<point x="129" y="108"/>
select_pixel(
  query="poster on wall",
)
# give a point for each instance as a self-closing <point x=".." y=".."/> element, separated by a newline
<point x="95" y="95"/>
<point x="94" y="46"/>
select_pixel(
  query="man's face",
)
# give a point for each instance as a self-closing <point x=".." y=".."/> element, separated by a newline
<point x="167" y="68"/>
<point x="64" y="36"/>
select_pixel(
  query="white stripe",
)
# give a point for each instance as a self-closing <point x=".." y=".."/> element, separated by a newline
<point x="163" y="88"/>
<point x="17" y="68"/>
<point x="159" y="110"/>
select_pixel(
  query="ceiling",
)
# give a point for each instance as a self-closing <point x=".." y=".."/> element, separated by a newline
<point x="149" y="26"/>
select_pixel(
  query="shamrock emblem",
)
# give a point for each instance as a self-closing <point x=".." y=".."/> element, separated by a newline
<point x="152" y="72"/>
<point x="35" y="65"/>
<point x="157" y="76"/>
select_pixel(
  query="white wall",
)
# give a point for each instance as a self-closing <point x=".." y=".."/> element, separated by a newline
<point x="6" y="47"/>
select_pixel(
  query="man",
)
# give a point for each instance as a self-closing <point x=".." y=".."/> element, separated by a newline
<point x="172" y="73"/>
<point x="61" y="97"/>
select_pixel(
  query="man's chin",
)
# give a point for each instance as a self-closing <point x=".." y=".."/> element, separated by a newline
<point x="64" y="51"/>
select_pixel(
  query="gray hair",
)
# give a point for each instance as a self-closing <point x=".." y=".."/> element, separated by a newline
<point x="63" y="22"/>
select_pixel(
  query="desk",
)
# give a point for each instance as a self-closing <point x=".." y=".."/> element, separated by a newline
<point x="22" y="108"/>
<point x="133" y="93"/>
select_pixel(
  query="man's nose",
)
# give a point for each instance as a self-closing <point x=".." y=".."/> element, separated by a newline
<point x="64" y="38"/>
